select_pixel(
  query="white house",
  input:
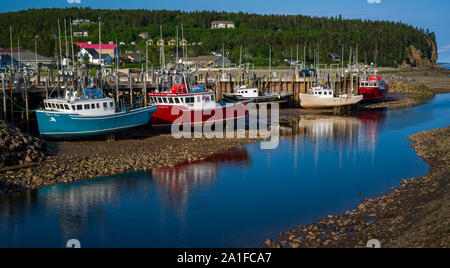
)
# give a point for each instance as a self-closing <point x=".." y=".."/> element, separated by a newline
<point x="81" y="33"/>
<point x="222" y="25"/>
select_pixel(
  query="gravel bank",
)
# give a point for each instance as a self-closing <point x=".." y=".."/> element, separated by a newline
<point x="74" y="161"/>
<point x="415" y="215"/>
<point x="17" y="148"/>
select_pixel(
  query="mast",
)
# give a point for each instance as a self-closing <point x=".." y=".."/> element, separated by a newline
<point x="10" y="36"/>
<point x="162" y="56"/>
<point x="65" y="38"/>
<point x="59" y="38"/>
<point x="71" y="41"/>
<point x="100" y="48"/>
<point x="18" y="50"/>
<point x="177" y="45"/>
<point x="270" y="60"/>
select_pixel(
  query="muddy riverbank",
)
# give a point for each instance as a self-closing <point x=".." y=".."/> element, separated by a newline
<point x="74" y="161"/>
<point x="417" y="214"/>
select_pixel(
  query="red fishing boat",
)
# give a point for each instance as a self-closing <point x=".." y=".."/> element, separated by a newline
<point x="194" y="106"/>
<point x="373" y="88"/>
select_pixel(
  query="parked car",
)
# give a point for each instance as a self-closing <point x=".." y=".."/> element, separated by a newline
<point x="308" y="72"/>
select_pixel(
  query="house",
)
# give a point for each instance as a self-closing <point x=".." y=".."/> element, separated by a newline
<point x="209" y="61"/>
<point x="150" y="42"/>
<point x="144" y="35"/>
<point x="80" y="21"/>
<point x="94" y="57"/>
<point x="172" y="42"/>
<point x="222" y="25"/>
<point x="334" y="56"/>
<point x="81" y="33"/>
<point x="5" y="61"/>
<point x="111" y="49"/>
<point x="184" y="42"/>
<point x="161" y="42"/>
<point x="24" y="58"/>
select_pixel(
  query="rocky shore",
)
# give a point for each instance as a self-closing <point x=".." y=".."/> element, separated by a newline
<point x="17" y="148"/>
<point x="69" y="162"/>
<point x="415" y="215"/>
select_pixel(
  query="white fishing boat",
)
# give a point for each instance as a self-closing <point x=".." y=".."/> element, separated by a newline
<point x="243" y="93"/>
<point x="324" y="97"/>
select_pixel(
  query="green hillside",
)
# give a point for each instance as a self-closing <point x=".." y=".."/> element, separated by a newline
<point x="397" y="43"/>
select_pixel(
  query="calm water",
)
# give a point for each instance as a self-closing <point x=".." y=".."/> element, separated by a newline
<point x="234" y="199"/>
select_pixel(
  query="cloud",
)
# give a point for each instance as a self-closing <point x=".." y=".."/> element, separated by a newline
<point x="444" y="49"/>
<point x="374" y="1"/>
<point x="74" y="1"/>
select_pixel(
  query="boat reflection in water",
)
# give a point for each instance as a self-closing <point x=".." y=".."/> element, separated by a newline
<point x="343" y="134"/>
<point x="85" y="208"/>
<point x="176" y="183"/>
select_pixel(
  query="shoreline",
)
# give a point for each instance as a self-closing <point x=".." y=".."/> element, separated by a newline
<point x="70" y="162"/>
<point x="415" y="215"/>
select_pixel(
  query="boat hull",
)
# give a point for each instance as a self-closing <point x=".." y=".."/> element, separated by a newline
<point x="168" y="115"/>
<point x="373" y="93"/>
<point x="261" y="99"/>
<point x="62" y="125"/>
<point x="316" y="102"/>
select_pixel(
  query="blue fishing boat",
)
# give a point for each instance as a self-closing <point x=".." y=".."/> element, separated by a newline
<point x="89" y="115"/>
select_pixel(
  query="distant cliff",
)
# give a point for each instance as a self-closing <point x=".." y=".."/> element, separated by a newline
<point x="397" y="44"/>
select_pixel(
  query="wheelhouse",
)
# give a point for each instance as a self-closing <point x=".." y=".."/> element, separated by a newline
<point x="187" y="100"/>
<point x="83" y="107"/>
<point x="322" y="92"/>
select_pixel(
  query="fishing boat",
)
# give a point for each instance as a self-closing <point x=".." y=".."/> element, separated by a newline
<point x="243" y="93"/>
<point x="325" y="97"/>
<point x="194" y="106"/>
<point x="91" y="114"/>
<point x="373" y="87"/>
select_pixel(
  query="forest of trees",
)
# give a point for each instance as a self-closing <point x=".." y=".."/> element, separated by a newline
<point x="255" y="33"/>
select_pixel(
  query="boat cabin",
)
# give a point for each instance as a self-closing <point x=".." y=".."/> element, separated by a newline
<point x="322" y="92"/>
<point x="88" y="105"/>
<point x="247" y="92"/>
<point x="189" y="100"/>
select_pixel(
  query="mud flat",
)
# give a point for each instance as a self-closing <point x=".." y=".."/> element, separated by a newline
<point x="74" y="161"/>
<point x="415" y="215"/>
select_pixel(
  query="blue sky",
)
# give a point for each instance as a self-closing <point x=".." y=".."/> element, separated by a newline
<point x="430" y="14"/>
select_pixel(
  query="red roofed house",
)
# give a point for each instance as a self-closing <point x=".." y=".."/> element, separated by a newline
<point x="107" y="49"/>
